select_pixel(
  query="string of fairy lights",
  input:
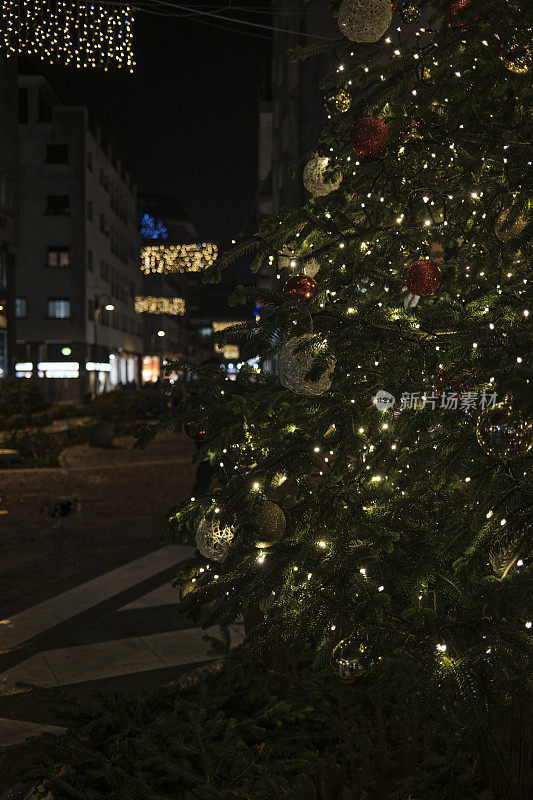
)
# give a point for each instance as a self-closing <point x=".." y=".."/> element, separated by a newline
<point x="160" y="305"/>
<point x="437" y="215"/>
<point x="78" y="34"/>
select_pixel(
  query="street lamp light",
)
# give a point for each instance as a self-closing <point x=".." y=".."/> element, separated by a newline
<point x="109" y="306"/>
<point x="161" y="333"/>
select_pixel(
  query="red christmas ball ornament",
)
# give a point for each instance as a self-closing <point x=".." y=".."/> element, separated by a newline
<point x="301" y="287"/>
<point x="369" y="136"/>
<point x="460" y="16"/>
<point x="196" y="430"/>
<point x="423" y="278"/>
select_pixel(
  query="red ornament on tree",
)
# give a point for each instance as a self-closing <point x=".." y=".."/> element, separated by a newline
<point x="460" y="15"/>
<point x="369" y="136"/>
<point x="301" y="287"/>
<point x="196" y="430"/>
<point x="423" y="278"/>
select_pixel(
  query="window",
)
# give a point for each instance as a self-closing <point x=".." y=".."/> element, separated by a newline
<point x="104" y="270"/>
<point x="58" y="257"/>
<point x="23" y="106"/>
<point x="57" y="153"/>
<point x="103" y="225"/>
<point x="57" y="204"/>
<point x="20" y="307"/>
<point x="90" y="309"/>
<point x="59" y="307"/>
<point x="90" y="213"/>
<point x="90" y="263"/>
<point x="89" y="161"/>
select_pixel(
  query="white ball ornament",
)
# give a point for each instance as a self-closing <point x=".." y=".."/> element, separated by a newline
<point x="364" y="20"/>
<point x="315" y="180"/>
<point x="294" y="364"/>
<point x="212" y="540"/>
<point x="311" y="266"/>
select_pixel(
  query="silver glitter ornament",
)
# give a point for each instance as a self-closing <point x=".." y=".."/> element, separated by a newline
<point x="316" y="181"/>
<point x="294" y="364"/>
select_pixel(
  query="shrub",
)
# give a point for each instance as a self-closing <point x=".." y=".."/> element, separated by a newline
<point x="42" y="418"/>
<point x="21" y="396"/>
<point x="130" y="404"/>
<point x="15" y="421"/>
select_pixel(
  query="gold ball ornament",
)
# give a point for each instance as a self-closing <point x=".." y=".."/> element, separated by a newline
<point x="364" y="20"/>
<point x="347" y="660"/>
<point x="512" y="220"/>
<point x="271" y="522"/>
<point x="212" y="540"/>
<point x="317" y="181"/>
<point x="503" y="432"/>
<point x="295" y="359"/>
<point x="338" y="101"/>
<point x="518" y="58"/>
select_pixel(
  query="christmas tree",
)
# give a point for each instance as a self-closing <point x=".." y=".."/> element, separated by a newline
<point x="372" y="504"/>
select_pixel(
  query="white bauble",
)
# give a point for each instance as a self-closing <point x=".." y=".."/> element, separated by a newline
<point x="294" y="366"/>
<point x="311" y="266"/>
<point x="364" y="20"/>
<point x="212" y="540"/>
<point x="315" y="180"/>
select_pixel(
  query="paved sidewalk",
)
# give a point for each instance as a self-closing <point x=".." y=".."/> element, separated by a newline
<point x="117" y="631"/>
<point x="124" y="497"/>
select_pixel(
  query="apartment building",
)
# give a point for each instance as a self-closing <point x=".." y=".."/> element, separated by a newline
<point x="79" y="252"/>
<point x="8" y="209"/>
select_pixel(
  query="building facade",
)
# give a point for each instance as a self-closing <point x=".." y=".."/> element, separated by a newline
<point x="291" y="112"/>
<point x="79" y="252"/>
<point x="8" y="209"/>
<point x="165" y="298"/>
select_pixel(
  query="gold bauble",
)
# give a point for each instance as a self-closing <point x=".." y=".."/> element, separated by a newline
<point x="512" y="220"/>
<point x="338" y="101"/>
<point x="518" y="59"/>
<point x="271" y="522"/>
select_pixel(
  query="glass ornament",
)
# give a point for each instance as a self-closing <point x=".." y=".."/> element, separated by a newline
<point x="271" y="523"/>
<point x="301" y="287"/>
<point x="196" y="430"/>
<point x="315" y="179"/>
<point x="364" y="20"/>
<point x="295" y="359"/>
<point x="503" y="432"/>
<point x="369" y="136"/>
<point x="212" y="540"/>
<point x="347" y="660"/>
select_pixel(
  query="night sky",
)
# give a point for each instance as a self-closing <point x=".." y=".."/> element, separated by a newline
<point x="186" y="121"/>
